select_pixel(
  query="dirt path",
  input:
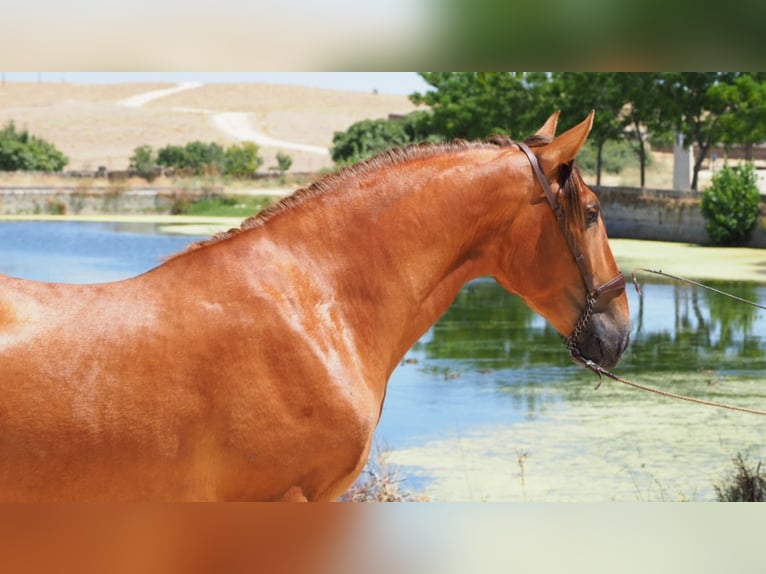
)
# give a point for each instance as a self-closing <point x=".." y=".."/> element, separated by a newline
<point x="142" y="99"/>
<point x="236" y="125"/>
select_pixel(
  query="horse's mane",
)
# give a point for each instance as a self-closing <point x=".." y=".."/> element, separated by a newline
<point x="392" y="157"/>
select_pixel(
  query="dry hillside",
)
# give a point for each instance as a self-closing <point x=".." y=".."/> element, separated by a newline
<point x="91" y="125"/>
<point x="94" y="127"/>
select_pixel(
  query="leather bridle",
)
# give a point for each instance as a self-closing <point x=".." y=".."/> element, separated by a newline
<point x="593" y="292"/>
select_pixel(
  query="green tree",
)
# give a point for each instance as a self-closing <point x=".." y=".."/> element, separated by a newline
<point x="173" y="156"/>
<point x="197" y="158"/>
<point x="366" y="138"/>
<point x="577" y="93"/>
<point x="730" y="204"/>
<point x="475" y="105"/>
<point x="205" y="158"/>
<point x="21" y="151"/>
<point x="645" y="112"/>
<point x="691" y="101"/>
<point x="615" y="156"/>
<point x="743" y="120"/>
<point x="284" y="162"/>
<point x="418" y="127"/>
<point x="144" y="161"/>
<point x="241" y="160"/>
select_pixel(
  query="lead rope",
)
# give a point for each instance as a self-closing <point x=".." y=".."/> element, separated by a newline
<point x="685" y="280"/>
<point x="600" y="371"/>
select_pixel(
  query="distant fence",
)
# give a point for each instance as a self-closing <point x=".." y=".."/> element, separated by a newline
<point x="735" y="152"/>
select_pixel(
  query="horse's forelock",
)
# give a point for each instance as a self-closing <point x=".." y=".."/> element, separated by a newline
<point x="570" y="187"/>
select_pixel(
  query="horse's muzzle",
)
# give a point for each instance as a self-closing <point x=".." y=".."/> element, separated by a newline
<point x="604" y="340"/>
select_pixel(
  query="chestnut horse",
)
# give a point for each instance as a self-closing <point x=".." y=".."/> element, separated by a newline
<point x="254" y="365"/>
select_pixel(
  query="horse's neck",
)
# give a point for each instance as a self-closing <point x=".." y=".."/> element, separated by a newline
<point x="393" y="259"/>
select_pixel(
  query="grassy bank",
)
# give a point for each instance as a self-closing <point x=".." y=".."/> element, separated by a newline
<point x="203" y="217"/>
<point x="693" y="261"/>
<point x="241" y="206"/>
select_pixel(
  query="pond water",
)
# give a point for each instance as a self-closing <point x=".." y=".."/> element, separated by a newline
<point x="487" y="405"/>
<point x="74" y="252"/>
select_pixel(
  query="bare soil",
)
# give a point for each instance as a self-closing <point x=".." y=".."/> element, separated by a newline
<point x="87" y="123"/>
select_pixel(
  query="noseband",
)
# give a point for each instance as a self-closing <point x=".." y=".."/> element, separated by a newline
<point x="593" y="292"/>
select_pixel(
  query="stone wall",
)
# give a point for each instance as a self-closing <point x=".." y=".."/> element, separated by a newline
<point x="92" y="200"/>
<point x="661" y="215"/>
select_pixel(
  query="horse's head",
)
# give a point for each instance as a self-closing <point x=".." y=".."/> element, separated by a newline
<point x="556" y="254"/>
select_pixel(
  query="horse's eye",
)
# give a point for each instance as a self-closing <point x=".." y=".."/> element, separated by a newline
<point x="591" y="215"/>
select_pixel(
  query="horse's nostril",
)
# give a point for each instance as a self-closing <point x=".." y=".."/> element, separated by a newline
<point x="604" y="347"/>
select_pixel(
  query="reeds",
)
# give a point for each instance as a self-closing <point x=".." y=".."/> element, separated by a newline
<point x="381" y="481"/>
<point x="745" y="484"/>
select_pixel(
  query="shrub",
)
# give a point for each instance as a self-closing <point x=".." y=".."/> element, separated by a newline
<point x="284" y="162"/>
<point x="195" y="158"/>
<point x="144" y="162"/>
<point x="172" y="156"/>
<point x="241" y="160"/>
<point x="204" y="158"/>
<point x="209" y="159"/>
<point x="20" y="151"/>
<point x="730" y="204"/>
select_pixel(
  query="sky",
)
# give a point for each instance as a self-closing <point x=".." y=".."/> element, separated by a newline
<point x="384" y="82"/>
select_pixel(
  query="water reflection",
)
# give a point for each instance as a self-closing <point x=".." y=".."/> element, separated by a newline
<point x="684" y="339"/>
<point x="490" y="328"/>
<point x="675" y="326"/>
<point x="77" y="252"/>
<point x="682" y="327"/>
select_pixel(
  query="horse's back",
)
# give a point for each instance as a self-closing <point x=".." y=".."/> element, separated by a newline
<point x="79" y="407"/>
<point x="151" y="389"/>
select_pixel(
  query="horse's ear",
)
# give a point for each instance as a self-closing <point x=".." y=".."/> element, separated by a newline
<point x="564" y="148"/>
<point x="549" y="127"/>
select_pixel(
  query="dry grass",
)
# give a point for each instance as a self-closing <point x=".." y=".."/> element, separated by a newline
<point x="34" y="95"/>
<point x="85" y="122"/>
<point x="102" y="134"/>
<point x="747" y="483"/>
<point x="659" y="175"/>
<point x="381" y="481"/>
